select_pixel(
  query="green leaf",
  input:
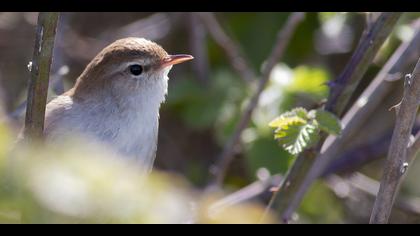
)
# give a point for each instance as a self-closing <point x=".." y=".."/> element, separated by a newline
<point x="297" y="137"/>
<point x="283" y="122"/>
<point x="328" y="122"/>
<point x="297" y="115"/>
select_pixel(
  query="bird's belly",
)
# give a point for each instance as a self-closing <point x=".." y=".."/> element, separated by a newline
<point x="126" y="138"/>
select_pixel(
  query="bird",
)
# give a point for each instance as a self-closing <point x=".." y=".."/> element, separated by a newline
<point x="116" y="100"/>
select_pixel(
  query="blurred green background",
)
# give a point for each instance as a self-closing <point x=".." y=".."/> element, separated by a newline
<point x="207" y="97"/>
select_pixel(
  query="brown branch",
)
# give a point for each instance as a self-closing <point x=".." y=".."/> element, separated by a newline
<point x="231" y="48"/>
<point x="395" y="165"/>
<point x="291" y="190"/>
<point x="40" y="72"/>
<point x="283" y="39"/>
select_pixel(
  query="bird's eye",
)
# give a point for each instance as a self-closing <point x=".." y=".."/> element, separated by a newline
<point x="136" y="69"/>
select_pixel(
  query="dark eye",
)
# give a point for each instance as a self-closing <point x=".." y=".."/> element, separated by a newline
<point x="136" y="69"/>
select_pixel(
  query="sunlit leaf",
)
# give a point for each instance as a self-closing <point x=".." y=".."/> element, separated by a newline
<point x="283" y="122"/>
<point x="297" y="137"/>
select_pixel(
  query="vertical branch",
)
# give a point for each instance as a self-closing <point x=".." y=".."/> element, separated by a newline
<point x="282" y="41"/>
<point x="40" y="71"/>
<point x="291" y="191"/>
<point x="396" y="165"/>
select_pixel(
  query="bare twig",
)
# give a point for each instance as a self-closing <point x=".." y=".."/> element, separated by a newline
<point x="396" y="164"/>
<point x="283" y="39"/>
<point x="291" y="190"/>
<point x="231" y="48"/>
<point x="40" y="72"/>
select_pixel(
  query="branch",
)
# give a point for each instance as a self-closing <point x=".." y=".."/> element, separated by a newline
<point x="395" y="165"/>
<point x="283" y="39"/>
<point x="232" y="50"/>
<point x="291" y="190"/>
<point x="369" y="45"/>
<point x="40" y="72"/>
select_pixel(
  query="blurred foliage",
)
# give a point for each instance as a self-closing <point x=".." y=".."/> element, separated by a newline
<point x="71" y="182"/>
<point x="320" y="205"/>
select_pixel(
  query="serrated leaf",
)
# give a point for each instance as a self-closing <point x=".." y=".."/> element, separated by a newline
<point x="328" y="122"/>
<point x="297" y="137"/>
<point x="282" y="122"/>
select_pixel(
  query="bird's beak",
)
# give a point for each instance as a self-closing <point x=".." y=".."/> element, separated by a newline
<point x="175" y="59"/>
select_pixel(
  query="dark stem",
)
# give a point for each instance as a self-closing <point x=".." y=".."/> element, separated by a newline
<point x="40" y="73"/>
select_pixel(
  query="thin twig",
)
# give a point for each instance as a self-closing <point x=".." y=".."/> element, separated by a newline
<point x="283" y="39"/>
<point x="291" y="191"/>
<point x="231" y="48"/>
<point x="396" y="165"/>
<point x="40" y="73"/>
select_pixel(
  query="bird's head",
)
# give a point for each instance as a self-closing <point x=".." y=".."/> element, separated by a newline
<point x="127" y="67"/>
